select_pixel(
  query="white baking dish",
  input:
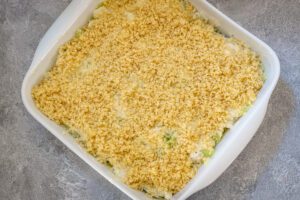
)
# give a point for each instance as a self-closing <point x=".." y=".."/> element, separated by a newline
<point x="77" y="14"/>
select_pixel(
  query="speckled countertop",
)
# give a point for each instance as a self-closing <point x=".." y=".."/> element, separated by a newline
<point x="35" y="165"/>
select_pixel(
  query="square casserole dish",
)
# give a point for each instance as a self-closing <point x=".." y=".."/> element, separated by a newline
<point x="77" y="14"/>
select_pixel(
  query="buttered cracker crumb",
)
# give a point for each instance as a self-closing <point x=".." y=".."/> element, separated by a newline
<point x="150" y="88"/>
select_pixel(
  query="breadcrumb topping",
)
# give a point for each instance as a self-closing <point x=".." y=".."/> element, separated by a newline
<point x="148" y="87"/>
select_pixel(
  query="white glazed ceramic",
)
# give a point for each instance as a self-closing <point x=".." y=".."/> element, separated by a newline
<point x="76" y="15"/>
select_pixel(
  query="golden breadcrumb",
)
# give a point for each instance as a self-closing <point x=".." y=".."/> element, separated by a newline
<point x="148" y="87"/>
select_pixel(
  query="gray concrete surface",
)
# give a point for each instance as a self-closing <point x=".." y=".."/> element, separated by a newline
<point x="35" y="165"/>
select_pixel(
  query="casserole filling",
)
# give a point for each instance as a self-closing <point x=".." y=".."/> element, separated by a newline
<point x="148" y="88"/>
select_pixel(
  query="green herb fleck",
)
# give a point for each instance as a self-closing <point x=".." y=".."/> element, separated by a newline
<point x="144" y="190"/>
<point x="246" y="108"/>
<point x="65" y="126"/>
<point x="207" y="153"/>
<point x="183" y="4"/>
<point x="216" y="138"/>
<point x="103" y="3"/>
<point x="159" y="197"/>
<point x="108" y="164"/>
<point x="79" y="32"/>
<point x="169" y="138"/>
<point x="74" y="134"/>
